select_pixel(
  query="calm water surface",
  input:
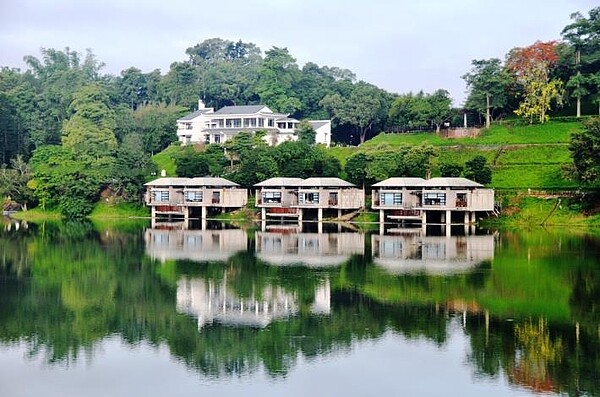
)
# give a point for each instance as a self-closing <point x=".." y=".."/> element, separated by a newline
<point x="173" y="310"/>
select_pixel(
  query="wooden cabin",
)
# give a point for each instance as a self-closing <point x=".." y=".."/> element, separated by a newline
<point x="190" y="197"/>
<point x="278" y="197"/>
<point x="324" y="194"/>
<point x="398" y="198"/>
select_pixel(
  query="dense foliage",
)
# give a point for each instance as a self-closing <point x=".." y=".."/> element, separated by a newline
<point x="83" y="134"/>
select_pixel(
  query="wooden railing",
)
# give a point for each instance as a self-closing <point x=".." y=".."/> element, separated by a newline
<point x="461" y="203"/>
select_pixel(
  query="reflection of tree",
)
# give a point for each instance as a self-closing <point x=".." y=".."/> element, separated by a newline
<point x="536" y="352"/>
<point x="77" y="286"/>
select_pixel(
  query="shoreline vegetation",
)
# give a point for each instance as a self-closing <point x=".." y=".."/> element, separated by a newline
<point x="518" y="212"/>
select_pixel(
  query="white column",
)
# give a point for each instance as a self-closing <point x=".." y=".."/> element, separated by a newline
<point x="448" y="217"/>
<point x="263" y="213"/>
<point x="466" y="222"/>
<point x="204" y="211"/>
<point x="320" y="214"/>
<point x="381" y="216"/>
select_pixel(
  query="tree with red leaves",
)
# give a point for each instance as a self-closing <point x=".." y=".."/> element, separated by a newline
<point x="531" y="67"/>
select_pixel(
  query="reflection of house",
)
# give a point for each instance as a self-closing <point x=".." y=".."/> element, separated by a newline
<point x="195" y="245"/>
<point x="442" y="198"/>
<point x="413" y="253"/>
<point x="193" y="196"/>
<point x="308" y="249"/>
<point x="210" y="126"/>
<point x="213" y="301"/>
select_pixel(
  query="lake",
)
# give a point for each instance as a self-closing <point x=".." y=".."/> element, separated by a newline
<point x="171" y="309"/>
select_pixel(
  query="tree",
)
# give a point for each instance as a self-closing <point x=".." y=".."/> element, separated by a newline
<point x="356" y="168"/>
<point x="487" y="84"/>
<point x="531" y="67"/>
<point x="583" y="37"/>
<point x="131" y="168"/>
<point x="306" y="133"/>
<point x="478" y="170"/>
<point x="14" y="180"/>
<point x="191" y="163"/>
<point x="365" y="106"/>
<point x="585" y="151"/>
<point x="451" y="170"/>
<point x="440" y="105"/>
<point x="157" y="124"/>
<point x="277" y="78"/>
<point x="90" y="129"/>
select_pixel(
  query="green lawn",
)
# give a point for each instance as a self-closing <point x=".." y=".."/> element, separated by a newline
<point x="164" y="160"/>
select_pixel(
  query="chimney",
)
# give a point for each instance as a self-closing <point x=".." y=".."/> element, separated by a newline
<point x="201" y="104"/>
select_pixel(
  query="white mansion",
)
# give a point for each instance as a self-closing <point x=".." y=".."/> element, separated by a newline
<point x="208" y="125"/>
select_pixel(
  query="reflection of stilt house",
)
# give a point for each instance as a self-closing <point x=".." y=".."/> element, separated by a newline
<point x="193" y="197"/>
<point x="328" y="194"/>
<point x="278" y="197"/>
<point x="431" y="254"/>
<point x="195" y="245"/>
<point x="308" y="249"/>
<point x="435" y="200"/>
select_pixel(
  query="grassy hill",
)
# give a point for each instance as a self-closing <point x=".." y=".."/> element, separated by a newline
<point x="522" y="157"/>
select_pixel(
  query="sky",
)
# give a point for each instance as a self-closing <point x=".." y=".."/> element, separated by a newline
<point x="399" y="45"/>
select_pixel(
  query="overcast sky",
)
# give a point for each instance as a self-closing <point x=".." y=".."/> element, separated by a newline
<point x="398" y="45"/>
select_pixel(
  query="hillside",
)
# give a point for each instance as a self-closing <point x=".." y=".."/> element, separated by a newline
<point x="522" y="156"/>
<point x="529" y="156"/>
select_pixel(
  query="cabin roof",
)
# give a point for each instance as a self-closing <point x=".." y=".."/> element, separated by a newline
<point x="280" y="182"/>
<point x="168" y="182"/>
<point x="400" y="182"/>
<point x="210" y="181"/>
<point x="325" y="182"/>
<point x="450" y="182"/>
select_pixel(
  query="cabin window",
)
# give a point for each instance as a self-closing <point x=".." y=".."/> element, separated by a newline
<point x="309" y="198"/>
<point x="434" y="198"/>
<point x="161" y="196"/>
<point x="216" y="197"/>
<point x="271" y="197"/>
<point x="391" y="198"/>
<point x="461" y="199"/>
<point x="333" y="198"/>
<point x="193" y="197"/>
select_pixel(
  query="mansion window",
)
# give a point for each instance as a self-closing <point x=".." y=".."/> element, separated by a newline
<point x="261" y="122"/>
<point x="161" y="196"/>
<point x="434" y="199"/>
<point x="193" y="197"/>
<point x="271" y="122"/>
<point x="233" y="123"/>
<point x="281" y="126"/>
<point x="250" y="122"/>
<point x="390" y="198"/>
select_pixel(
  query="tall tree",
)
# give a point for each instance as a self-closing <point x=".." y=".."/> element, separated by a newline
<point x="585" y="150"/>
<point x="277" y="77"/>
<point x="531" y="67"/>
<point x="487" y="84"/>
<point x="366" y="106"/>
<point x="90" y="129"/>
<point x="583" y="35"/>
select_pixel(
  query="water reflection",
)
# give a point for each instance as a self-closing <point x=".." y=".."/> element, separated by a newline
<point x="194" y="245"/>
<point x="224" y="305"/>
<point x="308" y="249"/>
<point x="413" y="252"/>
